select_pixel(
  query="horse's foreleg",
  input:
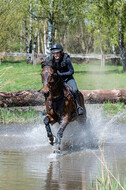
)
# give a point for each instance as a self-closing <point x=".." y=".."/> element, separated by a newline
<point x="63" y="125"/>
<point x="48" y="129"/>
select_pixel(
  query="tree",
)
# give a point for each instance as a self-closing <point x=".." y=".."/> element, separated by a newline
<point x="60" y="13"/>
<point x="109" y="18"/>
<point x="9" y="26"/>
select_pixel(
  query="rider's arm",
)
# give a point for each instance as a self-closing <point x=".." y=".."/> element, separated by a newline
<point x="70" y="69"/>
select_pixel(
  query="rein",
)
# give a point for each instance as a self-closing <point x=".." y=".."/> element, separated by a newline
<point x="53" y="88"/>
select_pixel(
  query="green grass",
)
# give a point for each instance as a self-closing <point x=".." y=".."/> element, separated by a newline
<point x="19" y="76"/>
<point x="93" y="76"/>
<point x="16" y="76"/>
<point x="113" y="109"/>
<point x="117" y="110"/>
<point x="19" y="116"/>
<point x="107" y="181"/>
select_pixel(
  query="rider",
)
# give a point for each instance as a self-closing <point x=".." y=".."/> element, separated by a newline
<point x="65" y="70"/>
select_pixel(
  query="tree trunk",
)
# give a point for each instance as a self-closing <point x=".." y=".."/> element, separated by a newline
<point x="44" y="39"/>
<point x="49" y="39"/>
<point x="34" y="98"/>
<point x="27" y="41"/>
<point x="121" y="45"/>
<point x="50" y="29"/>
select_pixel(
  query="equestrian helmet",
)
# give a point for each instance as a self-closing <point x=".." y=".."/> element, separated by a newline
<point x="56" y="48"/>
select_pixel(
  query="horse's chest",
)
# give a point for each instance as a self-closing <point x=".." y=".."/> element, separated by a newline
<point x="58" y="106"/>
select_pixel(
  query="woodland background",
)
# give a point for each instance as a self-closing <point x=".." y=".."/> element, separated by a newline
<point x="81" y="26"/>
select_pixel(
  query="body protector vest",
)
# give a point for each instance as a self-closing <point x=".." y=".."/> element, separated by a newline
<point x="59" y="65"/>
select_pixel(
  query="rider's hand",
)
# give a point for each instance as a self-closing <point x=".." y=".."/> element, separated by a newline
<point x="59" y="73"/>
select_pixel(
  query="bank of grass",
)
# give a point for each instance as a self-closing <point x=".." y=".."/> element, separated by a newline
<point x="16" y="76"/>
<point x="117" y="110"/>
<point x="19" y="116"/>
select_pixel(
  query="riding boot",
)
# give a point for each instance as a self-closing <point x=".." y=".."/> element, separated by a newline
<point x="80" y="110"/>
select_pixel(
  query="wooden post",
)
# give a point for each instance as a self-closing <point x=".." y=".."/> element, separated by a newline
<point x="33" y="57"/>
<point x="0" y="61"/>
<point x="102" y="60"/>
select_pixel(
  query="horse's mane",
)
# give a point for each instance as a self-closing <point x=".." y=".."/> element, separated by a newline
<point x="47" y="63"/>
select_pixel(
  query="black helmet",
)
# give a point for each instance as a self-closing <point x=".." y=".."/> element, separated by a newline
<point x="56" y="48"/>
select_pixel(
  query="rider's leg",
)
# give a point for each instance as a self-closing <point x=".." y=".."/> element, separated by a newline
<point x="78" y="101"/>
<point x="72" y="82"/>
<point x="48" y="129"/>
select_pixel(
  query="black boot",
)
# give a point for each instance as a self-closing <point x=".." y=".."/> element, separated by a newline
<point x="80" y="110"/>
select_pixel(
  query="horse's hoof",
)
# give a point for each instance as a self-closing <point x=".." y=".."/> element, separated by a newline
<point x="56" y="151"/>
<point x="52" y="140"/>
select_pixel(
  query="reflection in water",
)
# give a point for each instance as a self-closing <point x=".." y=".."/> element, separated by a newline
<point x="26" y="160"/>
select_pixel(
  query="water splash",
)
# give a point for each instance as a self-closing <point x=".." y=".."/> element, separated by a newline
<point x="105" y="129"/>
<point x="22" y="137"/>
<point x="76" y="137"/>
<point x="98" y="129"/>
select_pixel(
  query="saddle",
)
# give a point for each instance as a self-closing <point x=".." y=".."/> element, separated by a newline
<point x="69" y="88"/>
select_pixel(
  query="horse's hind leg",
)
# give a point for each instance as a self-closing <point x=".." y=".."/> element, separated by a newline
<point x="48" y="129"/>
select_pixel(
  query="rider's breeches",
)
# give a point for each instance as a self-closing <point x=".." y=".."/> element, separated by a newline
<point x="72" y="83"/>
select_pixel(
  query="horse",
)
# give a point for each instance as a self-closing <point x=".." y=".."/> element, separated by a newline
<point x="60" y="103"/>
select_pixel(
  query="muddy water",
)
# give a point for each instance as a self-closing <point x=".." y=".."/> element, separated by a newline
<point x="27" y="162"/>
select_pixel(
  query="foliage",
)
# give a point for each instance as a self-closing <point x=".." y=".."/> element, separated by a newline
<point x="81" y="26"/>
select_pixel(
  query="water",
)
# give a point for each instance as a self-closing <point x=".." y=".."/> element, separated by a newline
<point x="27" y="162"/>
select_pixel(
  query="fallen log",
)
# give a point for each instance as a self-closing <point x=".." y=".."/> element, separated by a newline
<point x="21" y="98"/>
<point x="34" y="97"/>
<point x="101" y="96"/>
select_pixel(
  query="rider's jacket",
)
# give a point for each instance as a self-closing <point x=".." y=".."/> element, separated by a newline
<point x="64" y="65"/>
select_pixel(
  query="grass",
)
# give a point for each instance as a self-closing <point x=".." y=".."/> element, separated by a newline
<point x="106" y="179"/>
<point x="19" y="116"/>
<point x="113" y="109"/>
<point x="93" y="76"/>
<point x="118" y="110"/>
<point x="18" y="76"/>
<point x="15" y="76"/>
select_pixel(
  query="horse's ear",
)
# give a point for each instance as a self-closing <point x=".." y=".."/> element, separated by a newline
<point x="43" y="63"/>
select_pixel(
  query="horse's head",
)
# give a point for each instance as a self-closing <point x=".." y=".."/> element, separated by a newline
<point x="49" y="77"/>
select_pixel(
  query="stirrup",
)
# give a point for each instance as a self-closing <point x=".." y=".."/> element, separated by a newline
<point x="80" y="110"/>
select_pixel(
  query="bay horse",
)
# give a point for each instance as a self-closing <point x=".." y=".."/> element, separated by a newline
<point x="60" y="104"/>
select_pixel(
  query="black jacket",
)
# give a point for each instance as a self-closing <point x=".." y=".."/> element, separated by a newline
<point x="63" y="66"/>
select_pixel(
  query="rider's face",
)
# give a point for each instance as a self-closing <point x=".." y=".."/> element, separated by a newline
<point x="57" y="55"/>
